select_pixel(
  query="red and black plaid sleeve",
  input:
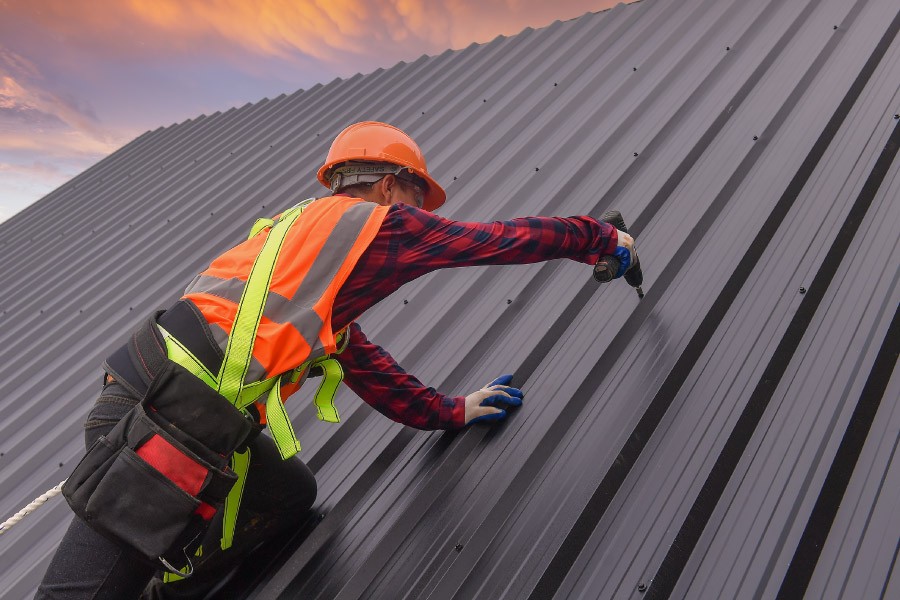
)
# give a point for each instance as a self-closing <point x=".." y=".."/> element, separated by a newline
<point x="413" y="242"/>
<point x="377" y="378"/>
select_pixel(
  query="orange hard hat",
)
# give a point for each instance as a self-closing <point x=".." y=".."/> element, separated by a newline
<point x="371" y="141"/>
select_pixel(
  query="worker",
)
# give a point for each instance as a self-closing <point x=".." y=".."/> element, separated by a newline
<point x="324" y="263"/>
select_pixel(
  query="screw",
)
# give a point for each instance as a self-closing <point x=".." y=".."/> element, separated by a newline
<point x="484" y="100"/>
<point x="802" y="290"/>
<point x="458" y="547"/>
<point x="635" y="154"/>
<point x="555" y="84"/>
<point x="509" y="301"/>
<point x="634" y="68"/>
<point x="536" y="169"/>
<point x="406" y="302"/>
<point x="835" y="28"/>
<point x="642" y="587"/>
<point x="423" y="112"/>
<point x="322" y="516"/>
<point x="454" y="179"/>
<point x="755" y="138"/>
<point x="60" y="465"/>
<point x="897" y="116"/>
<point x="727" y="48"/>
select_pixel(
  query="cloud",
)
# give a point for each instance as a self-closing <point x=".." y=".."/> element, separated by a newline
<point x="79" y="79"/>
<point x="46" y="137"/>
<point x="351" y="35"/>
<point x="21" y="184"/>
<point x="29" y="109"/>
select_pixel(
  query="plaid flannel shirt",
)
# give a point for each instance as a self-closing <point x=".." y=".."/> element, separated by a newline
<point x="413" y="242"/>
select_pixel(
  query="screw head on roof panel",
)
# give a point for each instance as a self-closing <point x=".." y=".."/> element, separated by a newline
<point x="423" y="112"/>
<point x="635" y="154"/>
<point x="802" y="290"/>
<point x="835" y="28"/>
<point x="509" y="300"/>
<point x="897" y="116"/>
<point x="405" y="301"/>
<point x="60" y="465"/>
<point x="634" y="68"/>
<point x="458" y="547"/>
<point x="555" y="84"/>
<point x="642" y="587"/>
<point x="536" y="169"/>
<point x="755" y="138"/>
<point x="454" y="179"/>
<point x="484" y="100"/>
<point x="727" y="48"/>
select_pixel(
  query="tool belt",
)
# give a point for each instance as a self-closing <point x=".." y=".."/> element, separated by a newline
<point x="171" y="452"/>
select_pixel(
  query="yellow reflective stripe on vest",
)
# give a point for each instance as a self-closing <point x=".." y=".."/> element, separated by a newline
<point x="332" y="375"/>
<point x="280" y="425"/>
<point x="240" y="464"/>
<point x="178" y="352"/>
<point x="250" y="308"/>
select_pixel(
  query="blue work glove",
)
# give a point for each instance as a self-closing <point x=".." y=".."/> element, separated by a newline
<point x="482" y="405"/>
<point x="624" y="256"/>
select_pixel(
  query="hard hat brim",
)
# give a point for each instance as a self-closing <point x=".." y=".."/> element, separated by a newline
<point x="434" y="197"/>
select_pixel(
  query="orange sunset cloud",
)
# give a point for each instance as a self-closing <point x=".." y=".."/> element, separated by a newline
<point x="80" y="78"/>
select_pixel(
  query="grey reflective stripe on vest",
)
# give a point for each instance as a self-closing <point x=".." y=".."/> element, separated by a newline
<point x="256" y="372"/>
<point x="278" y="308"/>
<point x="298" y="311"/>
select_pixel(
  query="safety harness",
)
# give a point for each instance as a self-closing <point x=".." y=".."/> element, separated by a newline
<point x="196" y="444"/>
<point x="229" y="381"/>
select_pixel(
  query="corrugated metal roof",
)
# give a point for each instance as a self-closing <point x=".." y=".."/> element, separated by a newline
<point x="733" y="434"/>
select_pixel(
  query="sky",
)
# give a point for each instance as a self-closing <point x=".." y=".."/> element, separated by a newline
<point x="81" y="78"/>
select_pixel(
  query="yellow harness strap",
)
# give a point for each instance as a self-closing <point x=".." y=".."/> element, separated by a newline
<point x="229" y="381"/>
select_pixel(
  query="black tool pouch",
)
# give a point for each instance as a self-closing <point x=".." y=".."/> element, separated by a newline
<point x="155" y="482"/>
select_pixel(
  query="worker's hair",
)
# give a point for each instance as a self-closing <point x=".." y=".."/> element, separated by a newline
<point x="357" y="189"/>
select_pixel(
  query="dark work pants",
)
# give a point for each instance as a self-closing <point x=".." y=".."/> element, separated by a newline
<point x="277" y="496"/>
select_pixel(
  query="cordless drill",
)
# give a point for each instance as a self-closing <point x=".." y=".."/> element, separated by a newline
<point x="606" y="268"/>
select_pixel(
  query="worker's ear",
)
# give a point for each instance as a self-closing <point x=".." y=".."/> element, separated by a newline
<point x="388" y="187"/>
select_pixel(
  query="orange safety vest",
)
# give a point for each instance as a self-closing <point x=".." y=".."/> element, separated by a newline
<point x="317" y="255"/>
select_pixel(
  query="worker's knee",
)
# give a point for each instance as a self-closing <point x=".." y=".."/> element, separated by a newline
<point x="275" y="485"/>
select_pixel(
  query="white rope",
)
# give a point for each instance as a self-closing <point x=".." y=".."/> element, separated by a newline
<point x="32" y="506"/>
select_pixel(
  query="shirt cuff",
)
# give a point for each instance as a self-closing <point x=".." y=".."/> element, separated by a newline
<point x="452" y="412"/>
